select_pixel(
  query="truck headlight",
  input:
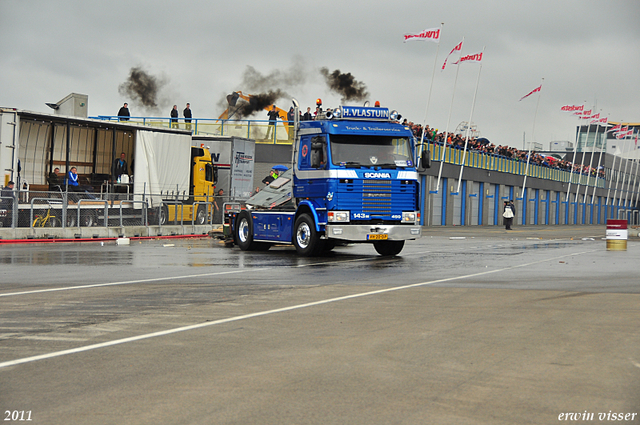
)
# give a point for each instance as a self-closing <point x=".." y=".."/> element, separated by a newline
<point x="409" y="216"/>
<point x="338" y="216"/>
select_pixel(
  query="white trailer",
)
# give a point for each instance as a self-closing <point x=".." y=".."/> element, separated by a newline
<point x="164" y="169"/>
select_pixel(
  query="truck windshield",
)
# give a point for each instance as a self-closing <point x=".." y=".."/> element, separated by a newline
<point x="371" y="151"/>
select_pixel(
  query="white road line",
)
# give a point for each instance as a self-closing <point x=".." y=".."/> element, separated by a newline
<point x="264" y="313"/>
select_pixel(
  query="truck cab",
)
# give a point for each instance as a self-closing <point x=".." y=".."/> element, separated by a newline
<point x="354" y="180"/>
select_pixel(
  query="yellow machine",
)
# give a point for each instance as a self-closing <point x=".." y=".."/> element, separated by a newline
<point x="233" y="98"/>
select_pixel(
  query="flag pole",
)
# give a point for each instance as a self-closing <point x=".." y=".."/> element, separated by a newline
<point x="446" y="131"/>
<point x="626" y="196"/>
<point x="615" y="194"/>
<point x="628" y="202"/>
<point x="575" y="199"/>
<point x="466" y="139"/>
<point x="593" y="150"/>
<point x="573" y="160"/>
<point x="624" y="179"/>
<point x="533" y="130"/>
<point x="593" y="195"/>
<point x="613" y="167"/>
<point x="426" y="112"/>
<point x="634" y="198"/>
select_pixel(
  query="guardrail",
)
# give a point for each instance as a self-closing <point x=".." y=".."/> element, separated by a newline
<point x="259" y="130"/>
<point x="56" y="209"/>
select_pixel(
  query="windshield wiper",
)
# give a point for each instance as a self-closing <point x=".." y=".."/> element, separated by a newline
<point x="353" y="164"/>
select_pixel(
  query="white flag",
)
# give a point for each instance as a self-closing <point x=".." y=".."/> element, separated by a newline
<point x="458" y="47"/>
<point x="475" y="57"/>
<point x="432" y="34"/>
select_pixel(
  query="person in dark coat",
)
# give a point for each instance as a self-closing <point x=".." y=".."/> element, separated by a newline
<point x="273" y="117"/>
<point x="123" y="113"/>
<point x="7" y="196"/>
<point x="54" y="180"/>
<point x="119" y="167"/>
<point x="6" y="203"/>
<point x="187" y="116"/>
<point x="174" y="117"/>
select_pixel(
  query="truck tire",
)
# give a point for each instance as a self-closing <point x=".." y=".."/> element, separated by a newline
<point x="243" y="231"/>
<point x="305" y="238"/>
<point x="201" y="215"/>
<point x="163" y="215"/>
<point x="388" y="248"/>
<point x="87" y="219"/>
<point x="328" y="245"/>
<point x="54" y="222"/>
<point x="71" y="218"/>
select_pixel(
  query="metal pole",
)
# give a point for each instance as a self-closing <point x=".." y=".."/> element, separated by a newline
<point x="426" y="112"/>
<point x="526" y="171"/>
<point x="466" y="139"/>
<point x="446" y="131"/>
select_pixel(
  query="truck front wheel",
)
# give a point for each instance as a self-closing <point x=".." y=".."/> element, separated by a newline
<point x="305" y="237"/>
<point x="388" y="248"/>
<point x="244" y="232"/>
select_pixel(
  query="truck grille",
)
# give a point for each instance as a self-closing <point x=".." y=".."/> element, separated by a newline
<point x="376" y="197"/>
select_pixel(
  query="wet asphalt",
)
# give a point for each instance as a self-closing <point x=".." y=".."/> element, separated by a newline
<point x="468" y="325"/>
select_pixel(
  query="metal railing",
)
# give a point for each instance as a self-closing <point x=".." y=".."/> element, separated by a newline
<point x="259" y="130"/>
<point x="59" y="209"/>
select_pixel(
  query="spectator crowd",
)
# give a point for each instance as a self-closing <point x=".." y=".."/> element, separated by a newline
<point x="483" y="145"/>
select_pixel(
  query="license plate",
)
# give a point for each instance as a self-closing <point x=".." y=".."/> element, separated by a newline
<point x="377" y="237"/>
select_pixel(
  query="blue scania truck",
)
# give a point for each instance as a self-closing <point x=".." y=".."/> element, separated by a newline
<point x="353" y="179"/>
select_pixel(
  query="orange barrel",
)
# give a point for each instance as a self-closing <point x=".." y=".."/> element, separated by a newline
<point x="616" y="235"/>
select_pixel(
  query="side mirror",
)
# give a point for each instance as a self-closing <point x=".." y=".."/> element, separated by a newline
<point x="425" y="159"/>
<point x="318" y="155"/>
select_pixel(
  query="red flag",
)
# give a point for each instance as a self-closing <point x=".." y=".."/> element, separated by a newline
<point x="625" y="132"/>
<point x="432" y="34"/>
<point x="583" y="113"/>
<point x="572" y="108"/>
<point x="615" y="128"/>
<point x="475" y="57"/>
<point x="458" y="47"/>
<point x="537" y="89"/>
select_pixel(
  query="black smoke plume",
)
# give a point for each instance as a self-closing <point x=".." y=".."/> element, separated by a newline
<point x="257" y="103"/>
<point x="143" y="89"/>
<point x="345" y="85"/>
<point x="269" y="88"/>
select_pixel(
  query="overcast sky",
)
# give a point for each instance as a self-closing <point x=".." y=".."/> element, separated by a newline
<point x="586" y="50"/>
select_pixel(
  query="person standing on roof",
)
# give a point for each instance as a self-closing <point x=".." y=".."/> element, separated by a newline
<point x="187" y="116"/>
<point x="307" y="115"/>
<point x="123" y="113"/>
<point x="273" y="117"/>
<point x="174" y="117"/>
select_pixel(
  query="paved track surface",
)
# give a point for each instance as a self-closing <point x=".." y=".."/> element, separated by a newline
<point x="468" y="325"/>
